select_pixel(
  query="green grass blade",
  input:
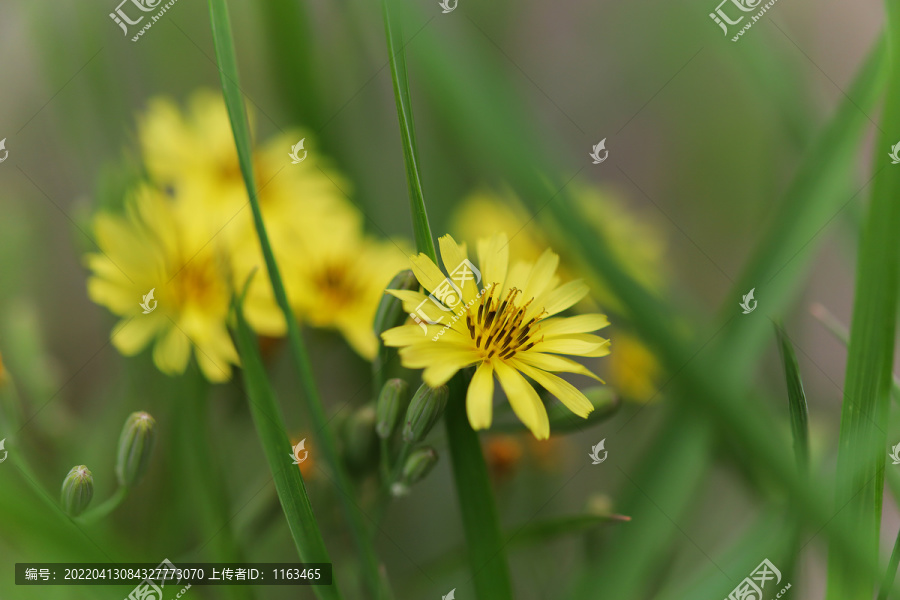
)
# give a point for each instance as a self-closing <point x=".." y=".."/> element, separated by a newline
<point x="224" y="45"/>
<point x="272" y="433"/>
<point x="205" y="480"/>
<point x="796" y="400"/>
<point x="822" y="185"/>
<point x="532" y="534"/>
<point x="891" y="570"/>
<point x="487" y="554"/>
<point x="424" y="240"/>
<point x="864" y="415"/>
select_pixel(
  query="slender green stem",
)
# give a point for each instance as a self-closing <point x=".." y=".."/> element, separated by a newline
<point x="103" y="510"/>
<point x="206" y="482"/>
<point x="224" y="45"/>
<point x="424" y="240"/>
<point x="487" y="553"/>
<point x="271" y="431"/>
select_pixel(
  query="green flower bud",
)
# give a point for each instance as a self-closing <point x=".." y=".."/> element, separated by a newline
<point x="135" y="446"/>
<point x="390" y="310"/>
<point x="426" y="408"/>
<point x="393" y="400"/>
<point x="419" y="464"/>
<point x="77" y="490"/>
<point x="360" y="441"/>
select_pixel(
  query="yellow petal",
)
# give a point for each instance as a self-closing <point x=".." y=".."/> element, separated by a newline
<point x="541" y="275"/>
<point x="133" y="335"/>
<point x="567" y="393"/>
<point x="517" y="278"/>
<point x="215" y="369"/>
<point x="480" y="397"/>
<point x="409" y="298"/>
<point x="427" y="273"/>
<point x="440" y="373"/>
<point x="172" y="352"/>
<point x="563" y="297"/>
<point x="454" y="256"/>
<point x="575" y="345"/>
<point x="524" y="400"/>
<point x="493" y="258"/>
<point x="566" y="325"/>
<point x="554" y="364"/>
<point x="430" y="354"/>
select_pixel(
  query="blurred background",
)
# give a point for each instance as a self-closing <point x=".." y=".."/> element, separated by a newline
<point x="704" y="135"/>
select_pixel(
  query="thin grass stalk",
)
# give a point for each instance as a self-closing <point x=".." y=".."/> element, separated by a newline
<point x="891" y="572"/>
<point x="864" y="414"/>
<point x="421" y="229"/>
<point x="479" y="513"/>
<point x="207" y="485"/>
<point x="222" y="39"/>
<point x="276" y="445"/>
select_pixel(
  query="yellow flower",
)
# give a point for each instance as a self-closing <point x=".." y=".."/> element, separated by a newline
<point x="150" y="248"/>
<point x="191" y="155"/>
<point x="636" y="244"/>
<point x="633" y="369"/>
<point x="507" y="329"/>
<point x="335" y="277"/>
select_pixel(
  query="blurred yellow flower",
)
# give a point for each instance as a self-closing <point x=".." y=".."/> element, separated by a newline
<point x="150" y="248"/>
<point x="636" y="244"/>
<point x="335" y="277"/>
<point x="507" y="328"/>
<point x="633" y="369"/>
<point x="333" y="274"/>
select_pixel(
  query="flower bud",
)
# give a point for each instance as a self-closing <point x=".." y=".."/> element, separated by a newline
<point x="393" y="400"/>
<point x="77" y="490"/>
<point x="135" y="446"/>
<point x="426" y="408"/>
<point x="419" y="464"/>
<point x="390" y="310"/>
<point x="360" y="441"/>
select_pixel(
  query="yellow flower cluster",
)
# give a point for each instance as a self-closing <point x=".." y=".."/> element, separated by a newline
<point x="170" y="261"/>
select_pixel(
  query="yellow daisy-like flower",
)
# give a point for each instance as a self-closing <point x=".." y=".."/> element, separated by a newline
<point x="507" y="329"/>
<point x="149" y="248"/>
<point x="335" y="277"/>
